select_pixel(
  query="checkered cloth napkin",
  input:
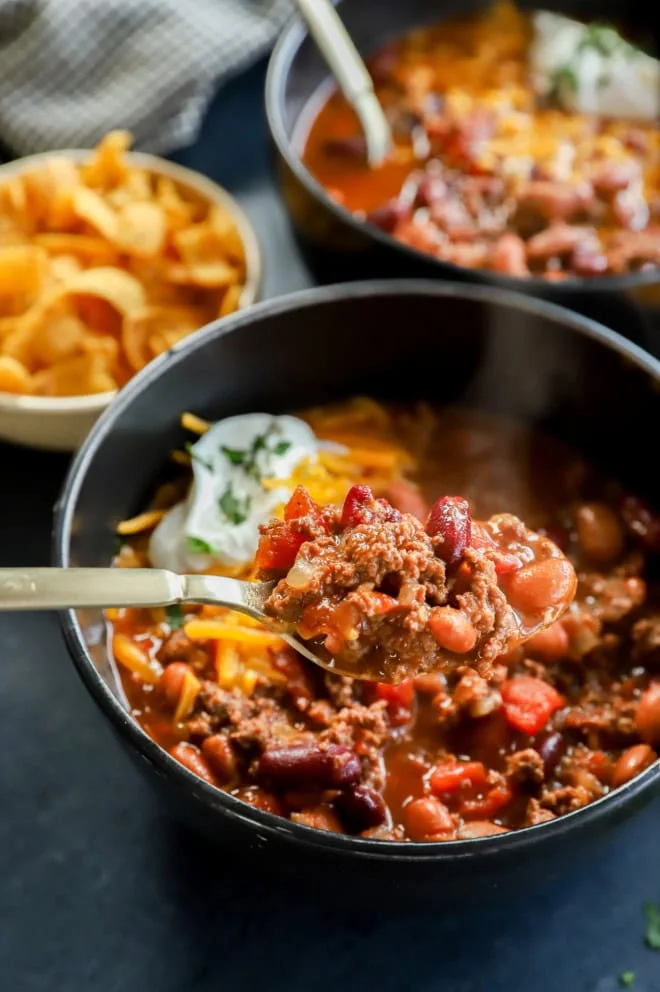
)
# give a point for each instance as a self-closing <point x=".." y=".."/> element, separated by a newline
<point x="70" y="70"/>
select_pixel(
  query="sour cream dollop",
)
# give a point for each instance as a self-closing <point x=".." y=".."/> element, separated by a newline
<point x="591" y="69"/>
<point x="219" y="521"/>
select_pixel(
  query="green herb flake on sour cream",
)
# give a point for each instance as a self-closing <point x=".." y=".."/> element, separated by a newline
<point x="591" y="69"/>
<point x="219" y="521"/>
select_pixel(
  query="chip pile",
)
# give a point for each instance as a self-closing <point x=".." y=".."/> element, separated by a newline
<point x="103" y="266"/>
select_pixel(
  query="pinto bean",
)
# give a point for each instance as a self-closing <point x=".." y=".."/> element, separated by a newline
<point x="171" y="682"/>
<point x="599" y="532"/>
<point x="647" y="715"/>
<point x="550" y="644"/>
<point x="452" y="629"/>
<point x="479" y="828"/>
<point x="559" y="239"/>
<point x="406" y="497"/>
<point x="319" y="817"/>
<point x="509" y="256"/>
<point x="220" y="757"/>
<point x="555" y="200"/>
<point x="427" y="817"/>
<point x="308" y="765"/>
<point x="633" y="761"/>
<point x="188" y="756"/>
<point x="545" y="583"/>
<point x="613" y="175"/>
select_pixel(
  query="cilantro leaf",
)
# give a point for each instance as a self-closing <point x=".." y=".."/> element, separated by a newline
<point x="174" y="616"/>
<point x="195" y="457"/>
<point x="281" y="447"/>
<point x="652" y="935"/>
<point x="233" y="508"/>
<point x="235" y="455"/>
<point x="627" y="979"/>
<point x="199" y="547"/>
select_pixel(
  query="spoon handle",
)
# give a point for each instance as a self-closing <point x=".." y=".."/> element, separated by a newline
<point x="71" y="588"/>
<point x="346" y="65"/>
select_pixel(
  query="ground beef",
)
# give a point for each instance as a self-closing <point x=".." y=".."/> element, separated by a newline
<point x="525" y="767"/>
<point x="363" y="729"/>
<point x="177" y="646"/>
<point x="388" y="597"/>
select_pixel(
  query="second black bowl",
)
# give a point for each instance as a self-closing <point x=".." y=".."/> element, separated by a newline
<point x="487" y="349"/>
<point x="340" y="246"/>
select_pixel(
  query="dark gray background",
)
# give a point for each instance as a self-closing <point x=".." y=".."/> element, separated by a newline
<point x="99" y="891"/>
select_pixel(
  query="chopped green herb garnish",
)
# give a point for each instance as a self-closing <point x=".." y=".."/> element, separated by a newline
<point x="235" y="455"/>
<point x="652" y="935"/>
<point x="233" y="508"/>
<point x="603" y="39"/>
<point x="627" y="979"/>
<point x="119" y="543"/>
<point x="195" y="457"/>
<point x="174" y="616"/>
<point x="281" y="447"/>
<point x="199" y="547"/>
<point x="564" y="79"/>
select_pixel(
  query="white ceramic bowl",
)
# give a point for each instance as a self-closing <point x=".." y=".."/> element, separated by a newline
<point x="61" y="423"/>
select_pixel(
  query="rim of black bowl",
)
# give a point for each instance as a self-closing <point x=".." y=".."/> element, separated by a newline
<point x="279" y="66"/>
<point x="129" y="728"/>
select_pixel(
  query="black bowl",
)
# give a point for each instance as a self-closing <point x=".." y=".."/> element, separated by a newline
<point x="340" y="246"/>
<point x="491" y="350"/>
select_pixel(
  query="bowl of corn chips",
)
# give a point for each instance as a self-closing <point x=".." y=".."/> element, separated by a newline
<point x="108" y="258"/>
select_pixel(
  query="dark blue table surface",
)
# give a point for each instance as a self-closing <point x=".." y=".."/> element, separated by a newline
<point x="100" y="891"/>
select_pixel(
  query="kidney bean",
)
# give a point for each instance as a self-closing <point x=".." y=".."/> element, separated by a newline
<point x="550" y="644"/>
<point x="633" y="761"/>
<point x="509" y="256"/>
<point x="354" y="147"/>
<point x="557" y="240"/>
<point x="599" y="532"/>
<point x="479" y="828"/>
<point x="613" y="175"/>
<point x="588" y="260"/>
<point x="551" y="746"/>
<point x="356" y="508"/>
<point x="556" y="201"/>
<point x="171" y="681"/>
<point x="642" y="522"/>
<point x="320" y="817"/>
<point x="427" y="817"/>
<point x="450" y="519"/>
<point x="388" y="217"/>
<point x="307" y="765"/>
<point x="647" y="715"/>
<point x="452" y="629"/>
<point x="188" y="756"/>
<point x="361" y="808"/>
<point x="220" y="757"/>
<point x="544" y="583"/>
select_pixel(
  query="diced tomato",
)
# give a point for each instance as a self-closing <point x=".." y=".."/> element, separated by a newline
<point x="450" y="776"/>
<point x="401" y="694"/>
<point x="355" y="510"/>
<point x="278" y="549"/>
<point x="528" y="703"/>
<point x="485" y="807"/>
<point x="300" y="505"/>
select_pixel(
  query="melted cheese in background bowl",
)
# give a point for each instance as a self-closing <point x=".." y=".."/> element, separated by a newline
<point x="219" y="521"/>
